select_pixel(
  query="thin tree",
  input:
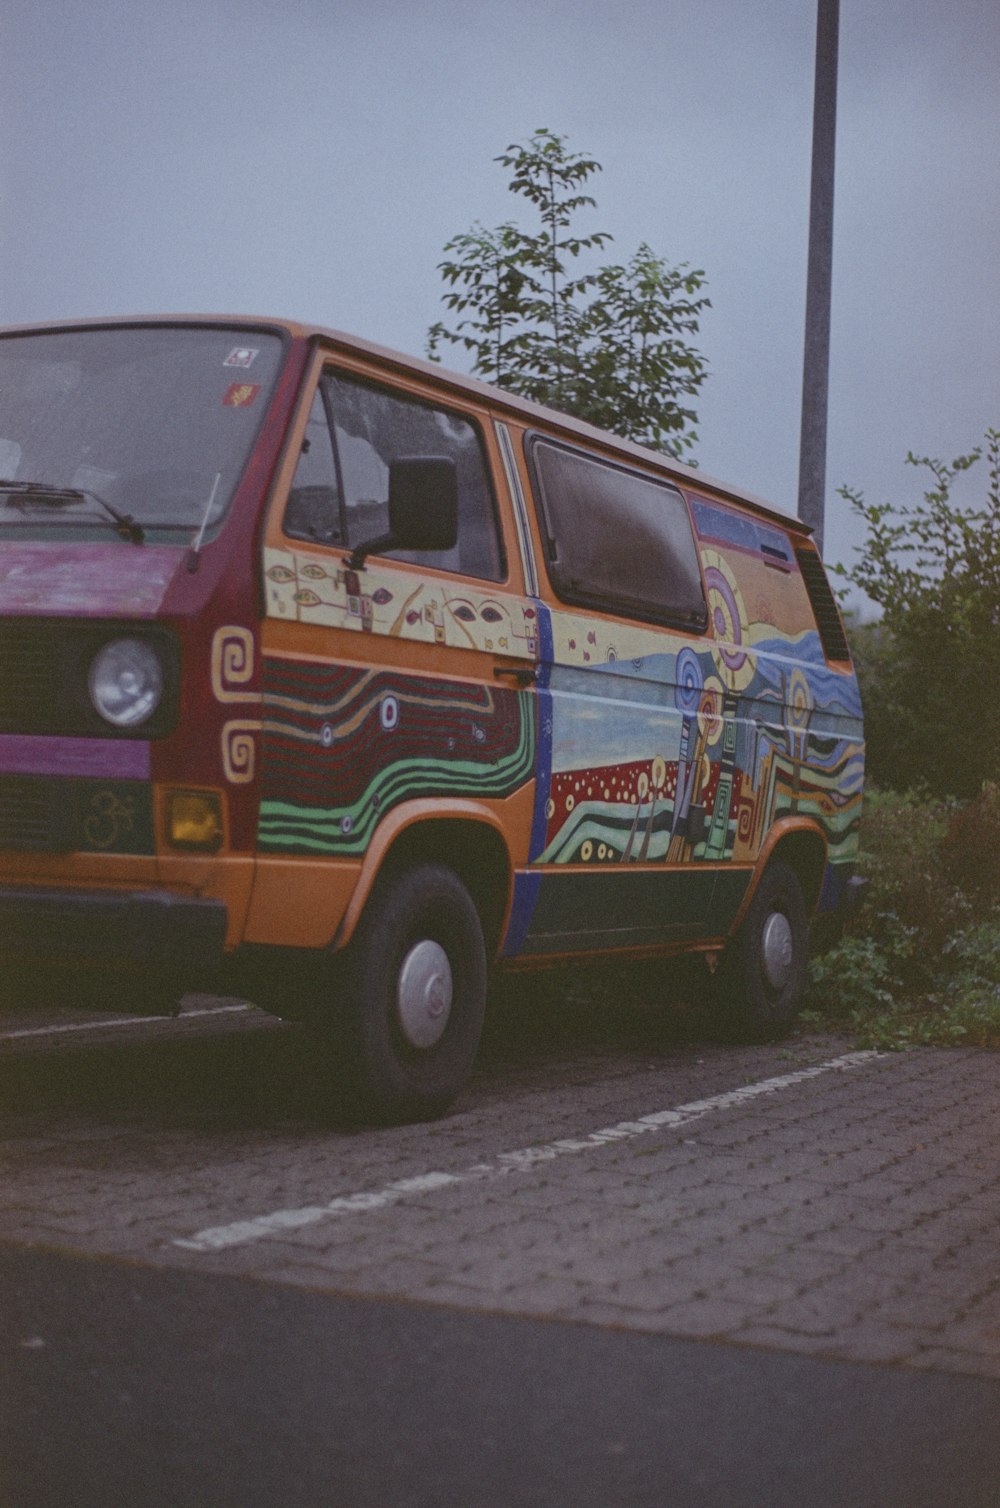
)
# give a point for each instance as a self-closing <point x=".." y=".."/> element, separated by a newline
<point x="609" y="344"/>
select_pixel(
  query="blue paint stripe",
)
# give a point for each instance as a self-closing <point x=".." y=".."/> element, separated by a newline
<point x="543" y="755"/>
<point x="526" y="888"/>
<point x="526" y="885"/>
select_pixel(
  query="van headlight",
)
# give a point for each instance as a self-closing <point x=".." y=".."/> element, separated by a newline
<point x="126" y="682"/>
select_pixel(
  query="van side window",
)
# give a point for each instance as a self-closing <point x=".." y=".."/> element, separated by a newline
<point x="616" y="538"/>
<point x="371" y="427"/>
<point x="313" y="509"/>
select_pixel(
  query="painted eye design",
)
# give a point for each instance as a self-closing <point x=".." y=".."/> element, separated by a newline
<point x="382" y="596"/>
<point x="307" y="599"/>
<point x="280" y="573"/>
<point x="314" y="572"/>
<point x="464" y="612"/>
<point x="491" y="614"/>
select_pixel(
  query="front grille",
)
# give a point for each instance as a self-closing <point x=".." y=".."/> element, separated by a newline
<point x="34" y="815"/>
<point x="50" y="814"/>
<point x="32" y="659"/>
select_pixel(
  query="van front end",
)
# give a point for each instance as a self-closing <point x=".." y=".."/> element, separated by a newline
<point x="84" y="825"/>
<point x="134" y="461"/>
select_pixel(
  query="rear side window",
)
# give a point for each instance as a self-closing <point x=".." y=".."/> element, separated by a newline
<point x="824" y="606"/>
<point x="340" y="492"/>
<point x="615" y="538"/>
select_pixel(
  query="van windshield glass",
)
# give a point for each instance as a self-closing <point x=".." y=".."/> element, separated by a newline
<point x="128" y="429"/>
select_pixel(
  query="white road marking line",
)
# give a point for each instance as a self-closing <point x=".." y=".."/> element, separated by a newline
<point x="93" y="1026"/>
<point x="242" y="1232"/>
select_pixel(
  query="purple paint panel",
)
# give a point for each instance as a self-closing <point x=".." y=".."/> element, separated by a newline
<point x="100" y="758"/>
<point x="86" y="580"/>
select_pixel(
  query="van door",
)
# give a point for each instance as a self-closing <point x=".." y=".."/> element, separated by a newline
<point x="626" y="859"/>
<point x="379" y="677"/>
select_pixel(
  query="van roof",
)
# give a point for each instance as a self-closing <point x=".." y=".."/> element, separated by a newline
<point x="495" y="397"/>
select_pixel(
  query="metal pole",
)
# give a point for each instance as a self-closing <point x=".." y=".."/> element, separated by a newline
<point x="816" y="362"/>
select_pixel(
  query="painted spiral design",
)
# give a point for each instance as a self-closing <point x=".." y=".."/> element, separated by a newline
<point x="239" y="751"/>
<point x="232" y="664"/>
<point x="688" y="680"/>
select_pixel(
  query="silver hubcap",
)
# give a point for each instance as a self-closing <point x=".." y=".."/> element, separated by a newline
<point x="424" y="994"/>
<point x="777" y="949"/>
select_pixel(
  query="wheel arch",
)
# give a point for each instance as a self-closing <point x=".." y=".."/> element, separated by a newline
<point x="468" y="839"/>
<point x="800" y="845"/>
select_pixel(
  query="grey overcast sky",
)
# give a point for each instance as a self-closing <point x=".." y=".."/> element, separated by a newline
<point x="310" y="158"/>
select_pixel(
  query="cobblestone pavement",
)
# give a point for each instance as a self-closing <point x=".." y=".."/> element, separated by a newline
<point x="800" y="1197"/>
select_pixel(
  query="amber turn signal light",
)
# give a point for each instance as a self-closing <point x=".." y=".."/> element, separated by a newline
<point x="194" y="820"/>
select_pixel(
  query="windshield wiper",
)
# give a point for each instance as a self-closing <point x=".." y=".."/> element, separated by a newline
<point x="51" y="496"/>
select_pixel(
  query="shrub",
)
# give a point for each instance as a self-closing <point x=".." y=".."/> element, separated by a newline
<point x="933" y="568"/>
<point x="921" y="962"/>
<point x="970" y="848"/>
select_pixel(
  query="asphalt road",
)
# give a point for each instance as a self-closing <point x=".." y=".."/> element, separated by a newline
<point x="633" y="1267"/>
<point x="125" y="1385"/>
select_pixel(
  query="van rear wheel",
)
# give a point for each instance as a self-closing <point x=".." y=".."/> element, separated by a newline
<point x="762" y="974"/>
<point x="416" y="985"/>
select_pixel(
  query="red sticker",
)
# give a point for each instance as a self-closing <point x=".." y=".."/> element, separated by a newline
<point x="241" y="394"/>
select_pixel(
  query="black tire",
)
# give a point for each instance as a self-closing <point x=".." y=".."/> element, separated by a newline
<point x="415" y="979"/>
<point x="762" y="974"/>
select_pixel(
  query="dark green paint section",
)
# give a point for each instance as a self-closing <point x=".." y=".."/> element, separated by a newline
<point x="621" y="908"/>
<point x="731" y="886"/>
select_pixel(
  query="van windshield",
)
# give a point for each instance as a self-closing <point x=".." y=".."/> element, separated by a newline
<point x="127" y="428"/>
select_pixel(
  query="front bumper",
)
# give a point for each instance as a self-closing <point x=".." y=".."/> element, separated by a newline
<point x="156" y="930"/>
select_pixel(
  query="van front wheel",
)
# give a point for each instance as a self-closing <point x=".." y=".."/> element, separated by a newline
<point x="416" y="980"/>
<point x="762" y="974"/>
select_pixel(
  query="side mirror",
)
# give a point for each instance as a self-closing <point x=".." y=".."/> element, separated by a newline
<point x="423" y="508"/>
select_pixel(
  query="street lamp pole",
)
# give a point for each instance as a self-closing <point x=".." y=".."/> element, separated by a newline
<point x="816" y="361"/>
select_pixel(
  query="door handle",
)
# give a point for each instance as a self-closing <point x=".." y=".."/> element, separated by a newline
<point x="523" y="675"/>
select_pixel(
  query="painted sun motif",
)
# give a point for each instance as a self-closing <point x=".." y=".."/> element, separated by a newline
<point x="800" y="702"/>
<point x="728" y="618"/>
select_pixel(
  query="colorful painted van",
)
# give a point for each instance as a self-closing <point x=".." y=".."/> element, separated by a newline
<point x="343" y="680"/>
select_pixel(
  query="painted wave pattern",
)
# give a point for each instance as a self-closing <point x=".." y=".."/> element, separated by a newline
<point x="342" y="746"/>
<point x="752" y="735"/>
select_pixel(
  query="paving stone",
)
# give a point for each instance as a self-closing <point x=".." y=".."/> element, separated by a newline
<point x="816" y="1311"/>
<point x="846" y="1241"/>
<point x="757" y="1331"/>
<point x="760" y="1290"/>
<point x="853" y="1343"/>
<point x="952" y="1359"/>
<point x="715" y="1317"/>
<point x="854" y="1214"/>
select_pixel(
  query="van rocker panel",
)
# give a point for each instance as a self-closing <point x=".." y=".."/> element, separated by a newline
<point x="607" y="910"/>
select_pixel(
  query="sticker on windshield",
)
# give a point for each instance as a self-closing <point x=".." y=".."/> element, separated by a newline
<point x="241" y="394"/>
<point x="241" y="356"/>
